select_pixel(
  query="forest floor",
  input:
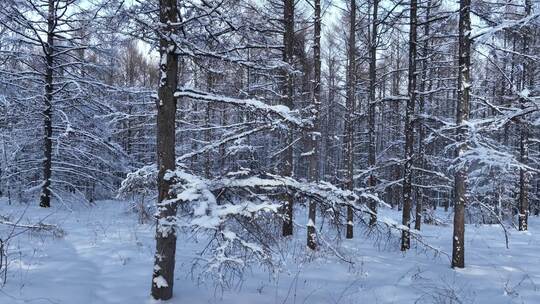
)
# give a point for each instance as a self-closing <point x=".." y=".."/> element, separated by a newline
<point x="105" y="256"/>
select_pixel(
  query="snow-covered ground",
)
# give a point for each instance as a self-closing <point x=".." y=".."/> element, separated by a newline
<point x="105" y="256"/>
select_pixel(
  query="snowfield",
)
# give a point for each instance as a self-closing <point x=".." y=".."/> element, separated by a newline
<point x="106" y="256"/>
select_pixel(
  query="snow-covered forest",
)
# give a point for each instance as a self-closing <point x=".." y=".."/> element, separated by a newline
<point x="269" y="151"/>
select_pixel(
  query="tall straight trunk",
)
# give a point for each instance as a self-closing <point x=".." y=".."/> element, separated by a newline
<point x="330" y="156"/>
<point x="129" y="135"/>
<point x="349" y="115"/>
<point x="131" y="82"/>
<point x="222" y="154"/>
<point x="164" y="259"/>
<point x="524" y="136"/>
<point x="396" y="190"/>
<point x="421" y="129"/>
<point x="462" y="116"/>
<point x="313" y="135"/>
<point x="207" y="121"/>
<point x="371" y="107"/>
<point x="45" y="197"/>
<point x="8" y="129"/>
<point x="523" y="179"/>
<point x="409" y="130"/>
<point x="536" y="205"/>
<point x="207" y="140"/>
<point x="287" y="92"/>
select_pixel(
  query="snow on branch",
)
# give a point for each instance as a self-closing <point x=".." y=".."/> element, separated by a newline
<point x="223" y="141"/>
<point x="141" y="181"/>
<point x="37" y="227"/>
<point x="486" y="32"/>
<point x="289" y="116"/>
<point x="233" y="213"/>
<point x="229" y="217"/>
<point x="485" y="152"/>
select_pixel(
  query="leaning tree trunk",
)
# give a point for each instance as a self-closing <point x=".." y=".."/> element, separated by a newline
<point x="287" y="92"/>
<point x="409" y="130"/>
<point x="164" y="259"/>
<point x="462" y="116"/>
<point x="45" y="197"/>
<point x="371" y="108"/>
<point x="313" y="134"/>
<point x="349" y="115"/>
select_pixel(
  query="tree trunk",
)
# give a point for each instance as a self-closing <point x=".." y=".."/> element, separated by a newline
<point x="523" y="179"/>
<point x="409" y="130"/>
<point x="524" y="136"/>
<point x="45" y="197"/>
<point x="420" y="123"/>
<point x="164" y="259"/>
<point x="287" y="92"/>
<point x="396" y="190"/>
<point x="4" y="154"/>
<point x="349" y="115"/>
<point x="462" y="116"/>
<point x="313" y="134"/>
<point x="371" y="108"/>
<point x="207" y="123"/>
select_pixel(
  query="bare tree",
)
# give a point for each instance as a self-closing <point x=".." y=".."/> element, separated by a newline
<point x="314" y="133"/>
<point x="287" y="100"/>
<point x="409" y="128"/>
<point x="349" y="113"/>
<point x="524" y="133"/>
<point x="164" y="259"/>
<point x="421" y="111"/>
<point x="45" y="197"/>
<point x="372" y="105"/>
<point x="57" y="58"/>
<point x="462" y="116"/>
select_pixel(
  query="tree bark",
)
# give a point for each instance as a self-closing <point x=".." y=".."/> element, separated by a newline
<point x="524" y="137"/>
<point x="349" y="115"/>
<point x="462" y="116"/>
<point x="207" y="122"/>
<point x="372" y="107"/>
<point x="396" y="189"/>
<point x="420" y="122"/>
<point x="313" y="134"/>
<point x="409" y="129"/>
<point x="45" y="197"/>
<point x="164" y="259"/>
<point x="287" y="92"/>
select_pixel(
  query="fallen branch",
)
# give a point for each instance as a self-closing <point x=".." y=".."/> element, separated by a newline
<point x="39" y="227"/>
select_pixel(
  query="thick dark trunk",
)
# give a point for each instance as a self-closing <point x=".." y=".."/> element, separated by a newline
<point x="524" y="180"/>
<point x="164" y="259"/>
<point x="207" y="122"/>
<point x="313" y="134"/>
<point x="287" y="91"/>
<point x="349" y="116"/>
<point x="462" y="116"/>
<point x="45" y="197"/>
<point x="371" y="108"/>
<point x="524" y="138"/>
<point x="409" y="130"/>
<point x="421" y="129"/>
<point x="396" y="170"/>
<point x="330" y="158"/>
